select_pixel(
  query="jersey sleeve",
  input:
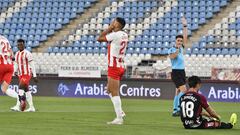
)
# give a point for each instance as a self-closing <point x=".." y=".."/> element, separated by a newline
<point x="172" y="50"/>
<point x="29" y="57"/>
<point x="9" y="46"/>
<point x="111" y="36"/>
<point x="204" y="102"/>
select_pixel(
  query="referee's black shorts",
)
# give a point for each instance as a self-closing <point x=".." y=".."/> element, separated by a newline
<point x="178" y="77"/>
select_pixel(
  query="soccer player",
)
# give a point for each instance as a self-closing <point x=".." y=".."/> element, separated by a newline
<point x="6" y="67"/>
<point x="178" y="75"/>
<point x="25" y="68"/>
<point x="117" y="40"/>
<point x="192" y="116"/>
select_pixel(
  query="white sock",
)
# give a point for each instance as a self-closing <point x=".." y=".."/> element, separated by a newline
<point x="29" y="98"/>
<point x="110" y="95"/>
<point x="12" y="93"/>
<point x="117" y="104"/>
<point x="18" y="102"/>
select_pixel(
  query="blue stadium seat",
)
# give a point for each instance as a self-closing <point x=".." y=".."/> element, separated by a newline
<point x="29" y="43"/>
<point x="50" y="50"/>
<point x="15" y="49"/>
<point x="90" y="44"/>
<point x="82" y="50"/>
<point x="209" y="51"/>
<point x="96" y="50"/>
<point x="144" y="50"/>
<point x="223" y="3"/>
<point x="75" y="50"/>
<point x="232" y="51"/>
<point x="225" y="51"/>
<point x="158" y="51"/>
<point x="217" y="51"/>
<point x="103" y="50"/>
<point x="130" y="50"/>
<point x="238" y="51"/>
<point x="151" y="51"/>
<point x="202" y="51"/>
<point x="216" y="9"/>
<point x="55" y="49"/>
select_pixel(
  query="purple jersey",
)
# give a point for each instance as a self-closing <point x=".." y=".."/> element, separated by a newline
<point x="191" y="104"/>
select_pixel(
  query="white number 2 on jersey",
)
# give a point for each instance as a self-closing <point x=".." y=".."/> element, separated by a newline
<point x="187" y="109"/>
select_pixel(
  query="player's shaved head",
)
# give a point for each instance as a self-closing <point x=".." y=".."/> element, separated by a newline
<point x="20" y="41"/>
<point x="193" y="81"/>
<point x="121" y="21"/>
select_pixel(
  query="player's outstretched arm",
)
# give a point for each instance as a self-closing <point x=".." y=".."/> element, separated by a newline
<point x="102" y="36"/>
<point x="212" y="113"/>
<point x="185" y="30"/>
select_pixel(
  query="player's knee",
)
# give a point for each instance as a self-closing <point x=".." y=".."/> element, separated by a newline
<point x="23" y="87"/>
<point x="3" y="90"/>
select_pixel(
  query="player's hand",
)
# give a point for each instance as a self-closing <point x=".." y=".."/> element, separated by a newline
<point x="35" y="79"/>
<point x="177" y="50"/>
<point x="219" y="118"/>
<point x="111" y="26"/>
<point x="184" y="21"/>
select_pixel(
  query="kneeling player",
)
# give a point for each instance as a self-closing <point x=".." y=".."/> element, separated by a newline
<point x="191" y="104"/>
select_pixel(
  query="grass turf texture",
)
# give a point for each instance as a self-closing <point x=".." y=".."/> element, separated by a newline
<point x="82" y="116"/>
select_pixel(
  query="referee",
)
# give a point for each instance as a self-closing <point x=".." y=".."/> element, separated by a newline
<point x="178" y="68"/>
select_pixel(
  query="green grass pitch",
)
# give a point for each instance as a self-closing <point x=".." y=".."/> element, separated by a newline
<point x="83" y="116"/>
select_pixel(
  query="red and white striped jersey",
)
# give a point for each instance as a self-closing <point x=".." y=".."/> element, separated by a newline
<point x="22" y="60"/>
<point x="116" y="48"/>
<point x="5" y="51"/>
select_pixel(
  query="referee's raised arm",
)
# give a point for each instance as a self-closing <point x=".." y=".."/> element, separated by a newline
<point x="185" y="31"/>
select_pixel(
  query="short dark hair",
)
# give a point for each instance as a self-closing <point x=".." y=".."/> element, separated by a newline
<point x="21" y="40"/>
<point x="179" y="36"/>
<point x="121" y="21"/>
<point x="193" y="81"/>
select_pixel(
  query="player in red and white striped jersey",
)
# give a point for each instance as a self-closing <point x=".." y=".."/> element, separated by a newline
<point x="6" y="67"/>
<point x="25" y="68"/>
<point x="117" y="40"/>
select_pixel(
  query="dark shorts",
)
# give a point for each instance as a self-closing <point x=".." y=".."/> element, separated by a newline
<point x="207" y="123"/>
<point x="178" y="77"/>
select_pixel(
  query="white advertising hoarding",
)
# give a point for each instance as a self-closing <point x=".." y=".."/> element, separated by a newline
<point x="79" y="71"/>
